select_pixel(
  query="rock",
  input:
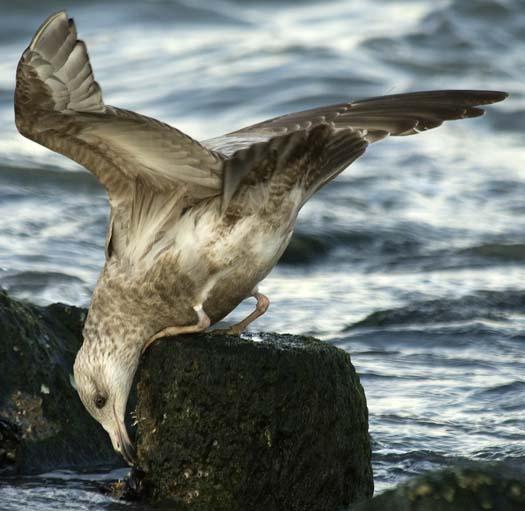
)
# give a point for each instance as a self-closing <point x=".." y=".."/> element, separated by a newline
<point x="472" y="487"/>
<point x="232" y="424"/>
<point x="10" y="441"/>
<point x="131" y="488"/>
<point x="43" y="424"/>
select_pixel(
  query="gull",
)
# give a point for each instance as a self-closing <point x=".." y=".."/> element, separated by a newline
<point x="194" y="226"/>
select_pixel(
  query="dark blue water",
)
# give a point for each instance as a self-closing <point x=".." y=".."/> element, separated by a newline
<point x="430" y="230"/>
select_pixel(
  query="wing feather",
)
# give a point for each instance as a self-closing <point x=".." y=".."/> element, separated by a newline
<point x="369" y="120"/>
<point x="59" y="104"/>
<point x="396" y="115"/>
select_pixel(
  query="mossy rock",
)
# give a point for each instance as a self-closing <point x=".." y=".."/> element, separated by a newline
<point x="472" y="487"/>
<point x="10" y="441"/>
<point x="226" y="423"/>
<point x="44" y="424"/>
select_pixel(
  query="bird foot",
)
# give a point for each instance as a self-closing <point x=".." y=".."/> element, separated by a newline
<point x="262" y="306"/>
<point x="233" y="330"/>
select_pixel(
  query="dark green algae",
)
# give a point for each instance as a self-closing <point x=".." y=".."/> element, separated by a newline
<point x="229" y="423"/>
<point x="468" y="487"/>
<point x="43" y="423"/>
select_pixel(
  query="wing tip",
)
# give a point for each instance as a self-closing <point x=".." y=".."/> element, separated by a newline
<point x="59" y="16"/>
<point x="54" y="73"/>
<point x="467" y="97"/>
<point x="500" y="95"/>
<point x="472" y="112"/>
<point x="493" y="96"/>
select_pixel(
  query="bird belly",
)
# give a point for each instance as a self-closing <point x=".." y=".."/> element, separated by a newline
<point x="227" y="259"/>
<point x="234" y="282"/>
<point x="214" y="260"/>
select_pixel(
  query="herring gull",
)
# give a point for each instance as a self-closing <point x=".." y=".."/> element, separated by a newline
<point x="194" y="226"/>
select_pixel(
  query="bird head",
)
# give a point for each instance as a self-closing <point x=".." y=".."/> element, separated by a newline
<point x="103" y="379"/>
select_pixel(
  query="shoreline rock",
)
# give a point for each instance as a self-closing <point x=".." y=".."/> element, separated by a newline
<point x="285" y="416"/>
<point x="43" y="424"/>
<point x="226" y="423"/>
<point x="475" y="486"/>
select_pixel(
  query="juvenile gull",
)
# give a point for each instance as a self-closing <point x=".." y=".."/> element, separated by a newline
<point x="194" y="226"/>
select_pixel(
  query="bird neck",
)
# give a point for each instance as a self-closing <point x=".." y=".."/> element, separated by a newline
<point x="112" y="318"/>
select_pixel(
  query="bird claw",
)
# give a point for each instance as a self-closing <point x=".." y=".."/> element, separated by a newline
<point x="226" y="331"/>
<point x="239" y="328"/>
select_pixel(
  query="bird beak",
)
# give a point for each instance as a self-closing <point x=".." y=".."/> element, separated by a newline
<point x="121" y="442"/>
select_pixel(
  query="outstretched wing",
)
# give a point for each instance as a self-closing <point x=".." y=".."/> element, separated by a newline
<point x="370" y="119"/>
<point x="59" y="105"/>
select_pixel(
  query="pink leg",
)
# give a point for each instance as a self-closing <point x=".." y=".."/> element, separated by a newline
<point x="263" y="303"/>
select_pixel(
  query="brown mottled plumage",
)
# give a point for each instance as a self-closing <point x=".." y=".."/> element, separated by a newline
<point x="194" y="226"/>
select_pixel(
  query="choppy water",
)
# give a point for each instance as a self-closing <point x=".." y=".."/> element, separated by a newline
<point x="429" y="229"/>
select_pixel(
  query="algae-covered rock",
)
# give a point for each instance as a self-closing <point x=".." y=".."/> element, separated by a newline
<point x="10" y="441"/>
<point x="232" y="424"/>
<point x="473" y="487"/>
<point x="44" y="424"/>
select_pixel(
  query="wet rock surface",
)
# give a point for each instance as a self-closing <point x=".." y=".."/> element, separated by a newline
<point x="10" y="440"/>
<point x="223" y="422"/>
<point x="231" y="424"/>
<point x="43" y="424"/>
<point x="471" y="487"/>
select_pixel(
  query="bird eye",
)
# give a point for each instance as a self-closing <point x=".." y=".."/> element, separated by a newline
<point x="100" y="401"/>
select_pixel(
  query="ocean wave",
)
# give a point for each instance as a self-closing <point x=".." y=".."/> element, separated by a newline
<point x="508" y="397"/>
<point x="359" y="244"/>
<point x="414" y="247"/>
<point x="509" y="120"/>
<point x="31" y="281"/>
<point x="484" y="305"/>
<point x="48" y="176"/>
<point x="501" y="251"/>
<point x="42" y="287"/>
